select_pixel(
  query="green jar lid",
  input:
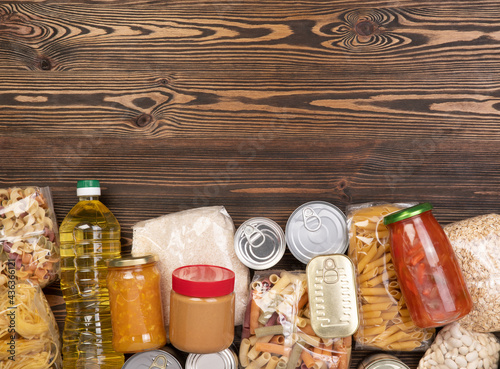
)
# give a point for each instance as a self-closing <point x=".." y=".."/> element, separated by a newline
<point x="88" y="183"/>
<point x="407" y="213"/>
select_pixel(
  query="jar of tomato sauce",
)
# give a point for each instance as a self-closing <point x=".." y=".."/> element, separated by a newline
<point x="136" y="305"/>
<point x="428" y="272"/>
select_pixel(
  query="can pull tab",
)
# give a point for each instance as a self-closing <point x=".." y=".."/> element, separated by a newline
<point x="253" y="234"/>
<point x="160" y="362"/>
<point x="312" y="221"/>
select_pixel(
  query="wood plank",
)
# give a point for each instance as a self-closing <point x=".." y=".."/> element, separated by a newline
<point x="226" y="105"/>
<point x="60" y="37"/>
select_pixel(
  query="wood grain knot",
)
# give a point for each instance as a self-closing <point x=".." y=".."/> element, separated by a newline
<point x="342" y="184"/>
<point x="364" y="28"/>
<point x="143" y="120"/>
<point x="44" y="64"/>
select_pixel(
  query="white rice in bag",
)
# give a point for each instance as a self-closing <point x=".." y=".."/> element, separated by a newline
<point x="195" y="236"/>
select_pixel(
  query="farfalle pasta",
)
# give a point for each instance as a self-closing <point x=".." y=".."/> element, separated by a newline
<point x="28" y="236"/>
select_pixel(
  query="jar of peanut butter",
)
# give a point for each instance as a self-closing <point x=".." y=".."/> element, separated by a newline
<point x="202" y="309"/>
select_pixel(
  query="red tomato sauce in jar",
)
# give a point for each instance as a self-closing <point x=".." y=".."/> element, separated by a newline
<point x="428" y="273"/>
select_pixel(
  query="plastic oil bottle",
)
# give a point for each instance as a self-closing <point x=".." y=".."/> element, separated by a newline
<point x="90" y="235"/>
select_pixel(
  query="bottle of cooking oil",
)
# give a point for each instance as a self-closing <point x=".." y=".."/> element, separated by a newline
<point x="90" y="235"/>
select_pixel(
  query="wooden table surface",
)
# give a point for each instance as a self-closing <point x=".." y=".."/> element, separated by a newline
<point x="259" y="106"/>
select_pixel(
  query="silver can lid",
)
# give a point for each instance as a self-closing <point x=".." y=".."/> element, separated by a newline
<point x="225" y="359"/>
<point x="382" y="361"/>
<point x="155" y="359"/>
<point x="316" y="228"/>
<point x="259" y="243"/>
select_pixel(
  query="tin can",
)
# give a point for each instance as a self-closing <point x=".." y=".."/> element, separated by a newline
<point x="382" y="361"/>
<point x="225" y="359"/>
<point x="155" y="359"/>
<point x="333" y="301"/>
<point x="316" y="228"/>
<point x="259" y="243"/>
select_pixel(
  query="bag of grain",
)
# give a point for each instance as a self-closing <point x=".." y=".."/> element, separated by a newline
<point x="476" y="242"/>
<point x="195" y="236"/>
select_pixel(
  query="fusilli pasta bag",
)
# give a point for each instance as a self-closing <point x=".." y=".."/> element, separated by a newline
<point x="29" y="246"/>
<point x="277" y="332"/>
<point x="385" y="322"/>
<point x="29" y="336"/>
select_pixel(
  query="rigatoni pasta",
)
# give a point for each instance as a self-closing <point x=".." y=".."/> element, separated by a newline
<point x="384" y="319"/>
<point x="277" y="332"/>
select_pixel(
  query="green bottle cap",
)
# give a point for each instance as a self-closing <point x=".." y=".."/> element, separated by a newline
<point x="88" y="187"/>
<point x="407" y="213"/>
<point x="88" y="183"/>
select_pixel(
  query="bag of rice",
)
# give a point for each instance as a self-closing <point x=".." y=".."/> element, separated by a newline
<point x="195" y="236"/>
<point x="476" y="242"/>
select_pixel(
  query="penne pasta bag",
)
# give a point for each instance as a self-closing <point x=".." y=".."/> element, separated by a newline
<point x="28" y="236"/>
<point x="277" y="327"/>
<point x="30" y="335"/>
<point x="385" y="323"/>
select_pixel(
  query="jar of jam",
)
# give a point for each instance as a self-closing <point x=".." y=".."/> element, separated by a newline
<point x="136" y="305"/>
<point x="202" y="309"/>
<point x="428" y="272"/>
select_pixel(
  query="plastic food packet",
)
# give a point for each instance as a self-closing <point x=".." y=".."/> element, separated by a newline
<point x="196" y="236"/>
<point x="277" y="331"/>
<point x="28" y="235"/>
<point x="476" y="242"/>
<point x="456" y="347"/>
<point x="29" y="333"/>
<point x="385" y="322"/>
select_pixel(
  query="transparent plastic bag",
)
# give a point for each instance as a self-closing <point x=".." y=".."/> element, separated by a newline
<point x="28" y="235"/>
<point x="456" y="347"/>
<point x="476" y="242"/>
<point x="195" y="236"/>
<point x="385" y="323"/>
<point x="277" y="330"/>
<point x="29" y="334"/>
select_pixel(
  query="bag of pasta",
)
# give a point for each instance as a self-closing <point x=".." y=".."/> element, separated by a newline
<point x="277" y="331"/>
<point x="29" y="336"/>
<point x="28" y="235"/>
<point x="385" y="322"/>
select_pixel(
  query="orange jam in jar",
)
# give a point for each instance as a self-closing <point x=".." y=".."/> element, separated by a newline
<point x="136" y="305"/>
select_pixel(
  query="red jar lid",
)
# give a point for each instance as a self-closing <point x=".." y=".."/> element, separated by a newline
<point x="203" y="281"/>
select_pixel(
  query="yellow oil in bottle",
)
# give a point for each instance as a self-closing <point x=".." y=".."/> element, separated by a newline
<point x="90" y="235"/>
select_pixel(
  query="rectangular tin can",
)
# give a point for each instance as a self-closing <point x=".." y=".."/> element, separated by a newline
<point x="333" y="301"/>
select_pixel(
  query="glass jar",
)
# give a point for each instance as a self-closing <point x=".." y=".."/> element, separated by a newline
<point x="428" y="272"/>
<point x="202" y="309"/>
<point x="136" y="305"/>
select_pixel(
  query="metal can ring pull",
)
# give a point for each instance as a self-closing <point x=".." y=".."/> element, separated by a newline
<point x="252" y="234"/>
<point x="160" y="362"/>
<point x="309" y="214"/>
